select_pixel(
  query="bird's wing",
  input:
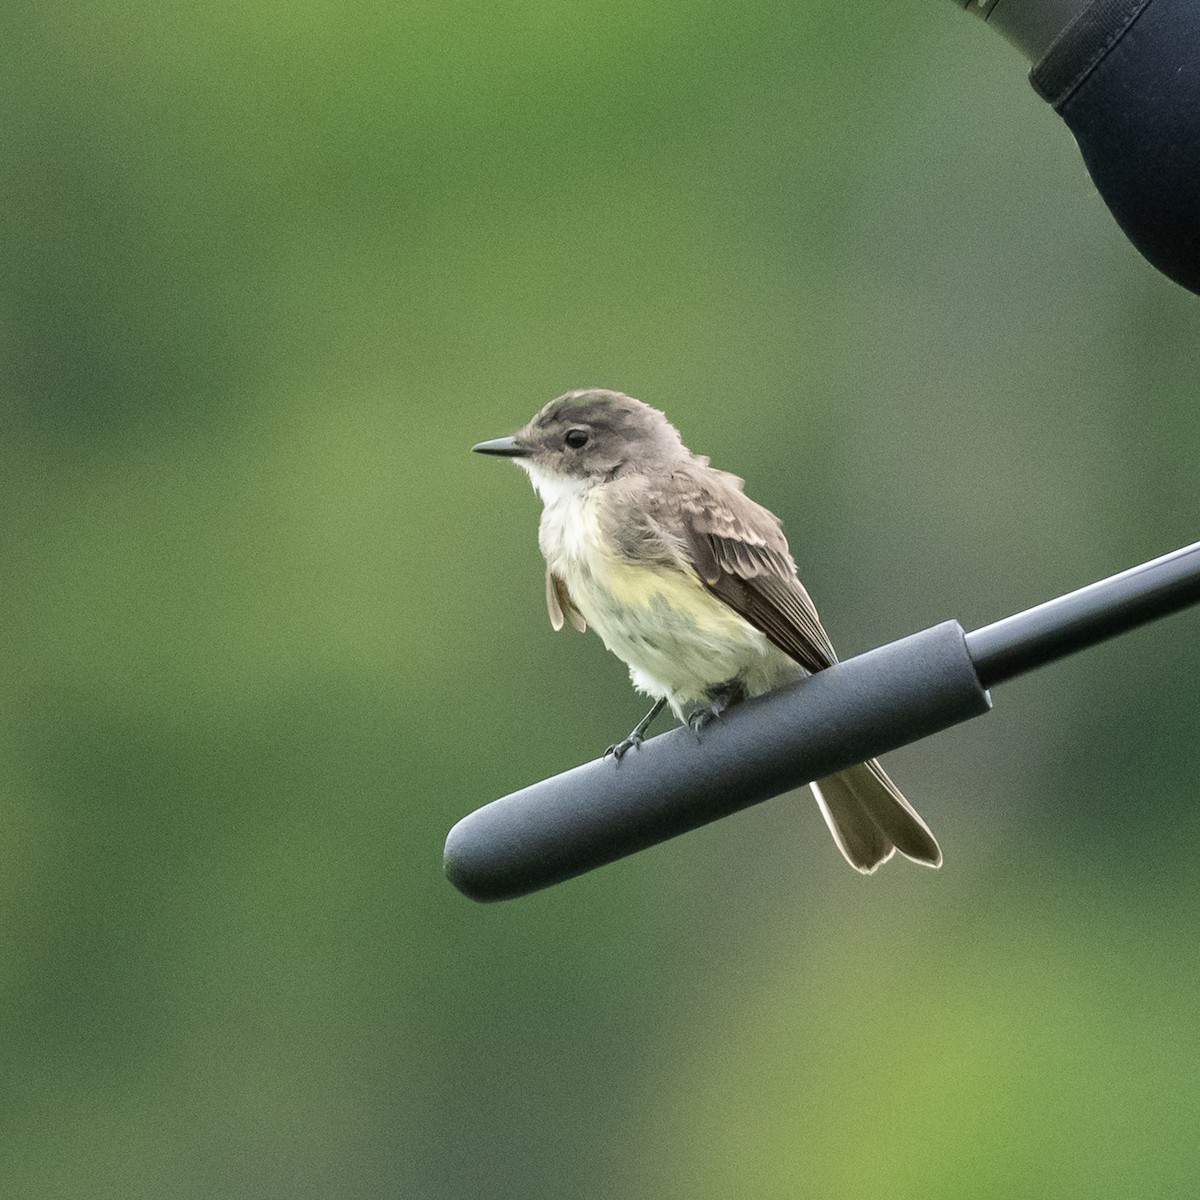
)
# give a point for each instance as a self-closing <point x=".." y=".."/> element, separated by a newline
<point x="740" y="554"/>
<point x="559" y="602"/>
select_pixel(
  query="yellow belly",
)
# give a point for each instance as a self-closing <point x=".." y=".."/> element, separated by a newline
<point x="676" y="637"/>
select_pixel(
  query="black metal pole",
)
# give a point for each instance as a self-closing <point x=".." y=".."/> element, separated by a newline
<point x="1051" y="631"/>
<point x="863" y="707"/>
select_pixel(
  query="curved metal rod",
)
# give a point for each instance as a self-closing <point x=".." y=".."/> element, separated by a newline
<point x="861" y="708"/>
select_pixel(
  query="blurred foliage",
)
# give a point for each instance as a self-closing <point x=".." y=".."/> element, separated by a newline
<point x="268" y="271"/>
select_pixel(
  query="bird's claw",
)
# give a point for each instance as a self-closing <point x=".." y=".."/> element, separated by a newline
<point x="619" y="749"/>
<point x="721" y="699"/>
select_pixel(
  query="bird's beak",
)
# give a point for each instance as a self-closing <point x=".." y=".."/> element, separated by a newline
<point x="507" y="447"/>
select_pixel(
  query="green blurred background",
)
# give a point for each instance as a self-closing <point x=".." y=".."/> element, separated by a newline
<point x="266" y="273"/>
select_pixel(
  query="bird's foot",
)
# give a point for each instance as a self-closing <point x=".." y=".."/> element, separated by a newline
<point x="719" y="700"/>
<point x="619" y="749"/>
<point x="702" y="718"/>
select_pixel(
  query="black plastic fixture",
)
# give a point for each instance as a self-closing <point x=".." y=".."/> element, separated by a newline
<point x="1125" y="77"/>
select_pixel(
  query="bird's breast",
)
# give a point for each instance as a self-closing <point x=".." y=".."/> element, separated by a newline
<point x="676" y="636"/>
<point x="634" y="585"/>
<point x="570" y="535"/>
<point x="599" y="576"/>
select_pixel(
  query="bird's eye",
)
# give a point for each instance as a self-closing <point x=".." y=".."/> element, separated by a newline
<point x="576" y="438"/>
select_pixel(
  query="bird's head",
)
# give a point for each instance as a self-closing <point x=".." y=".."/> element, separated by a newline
<point x="589" y="437"/>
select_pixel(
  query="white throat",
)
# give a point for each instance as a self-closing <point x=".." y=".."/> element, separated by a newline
<point x="555" y="489"/>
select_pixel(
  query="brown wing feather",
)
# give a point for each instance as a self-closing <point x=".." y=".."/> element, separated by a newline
<point x="740" y="553"/>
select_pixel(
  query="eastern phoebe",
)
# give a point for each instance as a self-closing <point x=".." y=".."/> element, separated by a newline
<point x="692" y="585"/>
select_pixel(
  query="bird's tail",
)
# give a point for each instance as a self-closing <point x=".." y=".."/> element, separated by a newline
<point x="870" y="819"/>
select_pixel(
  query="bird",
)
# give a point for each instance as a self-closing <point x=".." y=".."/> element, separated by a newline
<point x="692" y="585"/>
